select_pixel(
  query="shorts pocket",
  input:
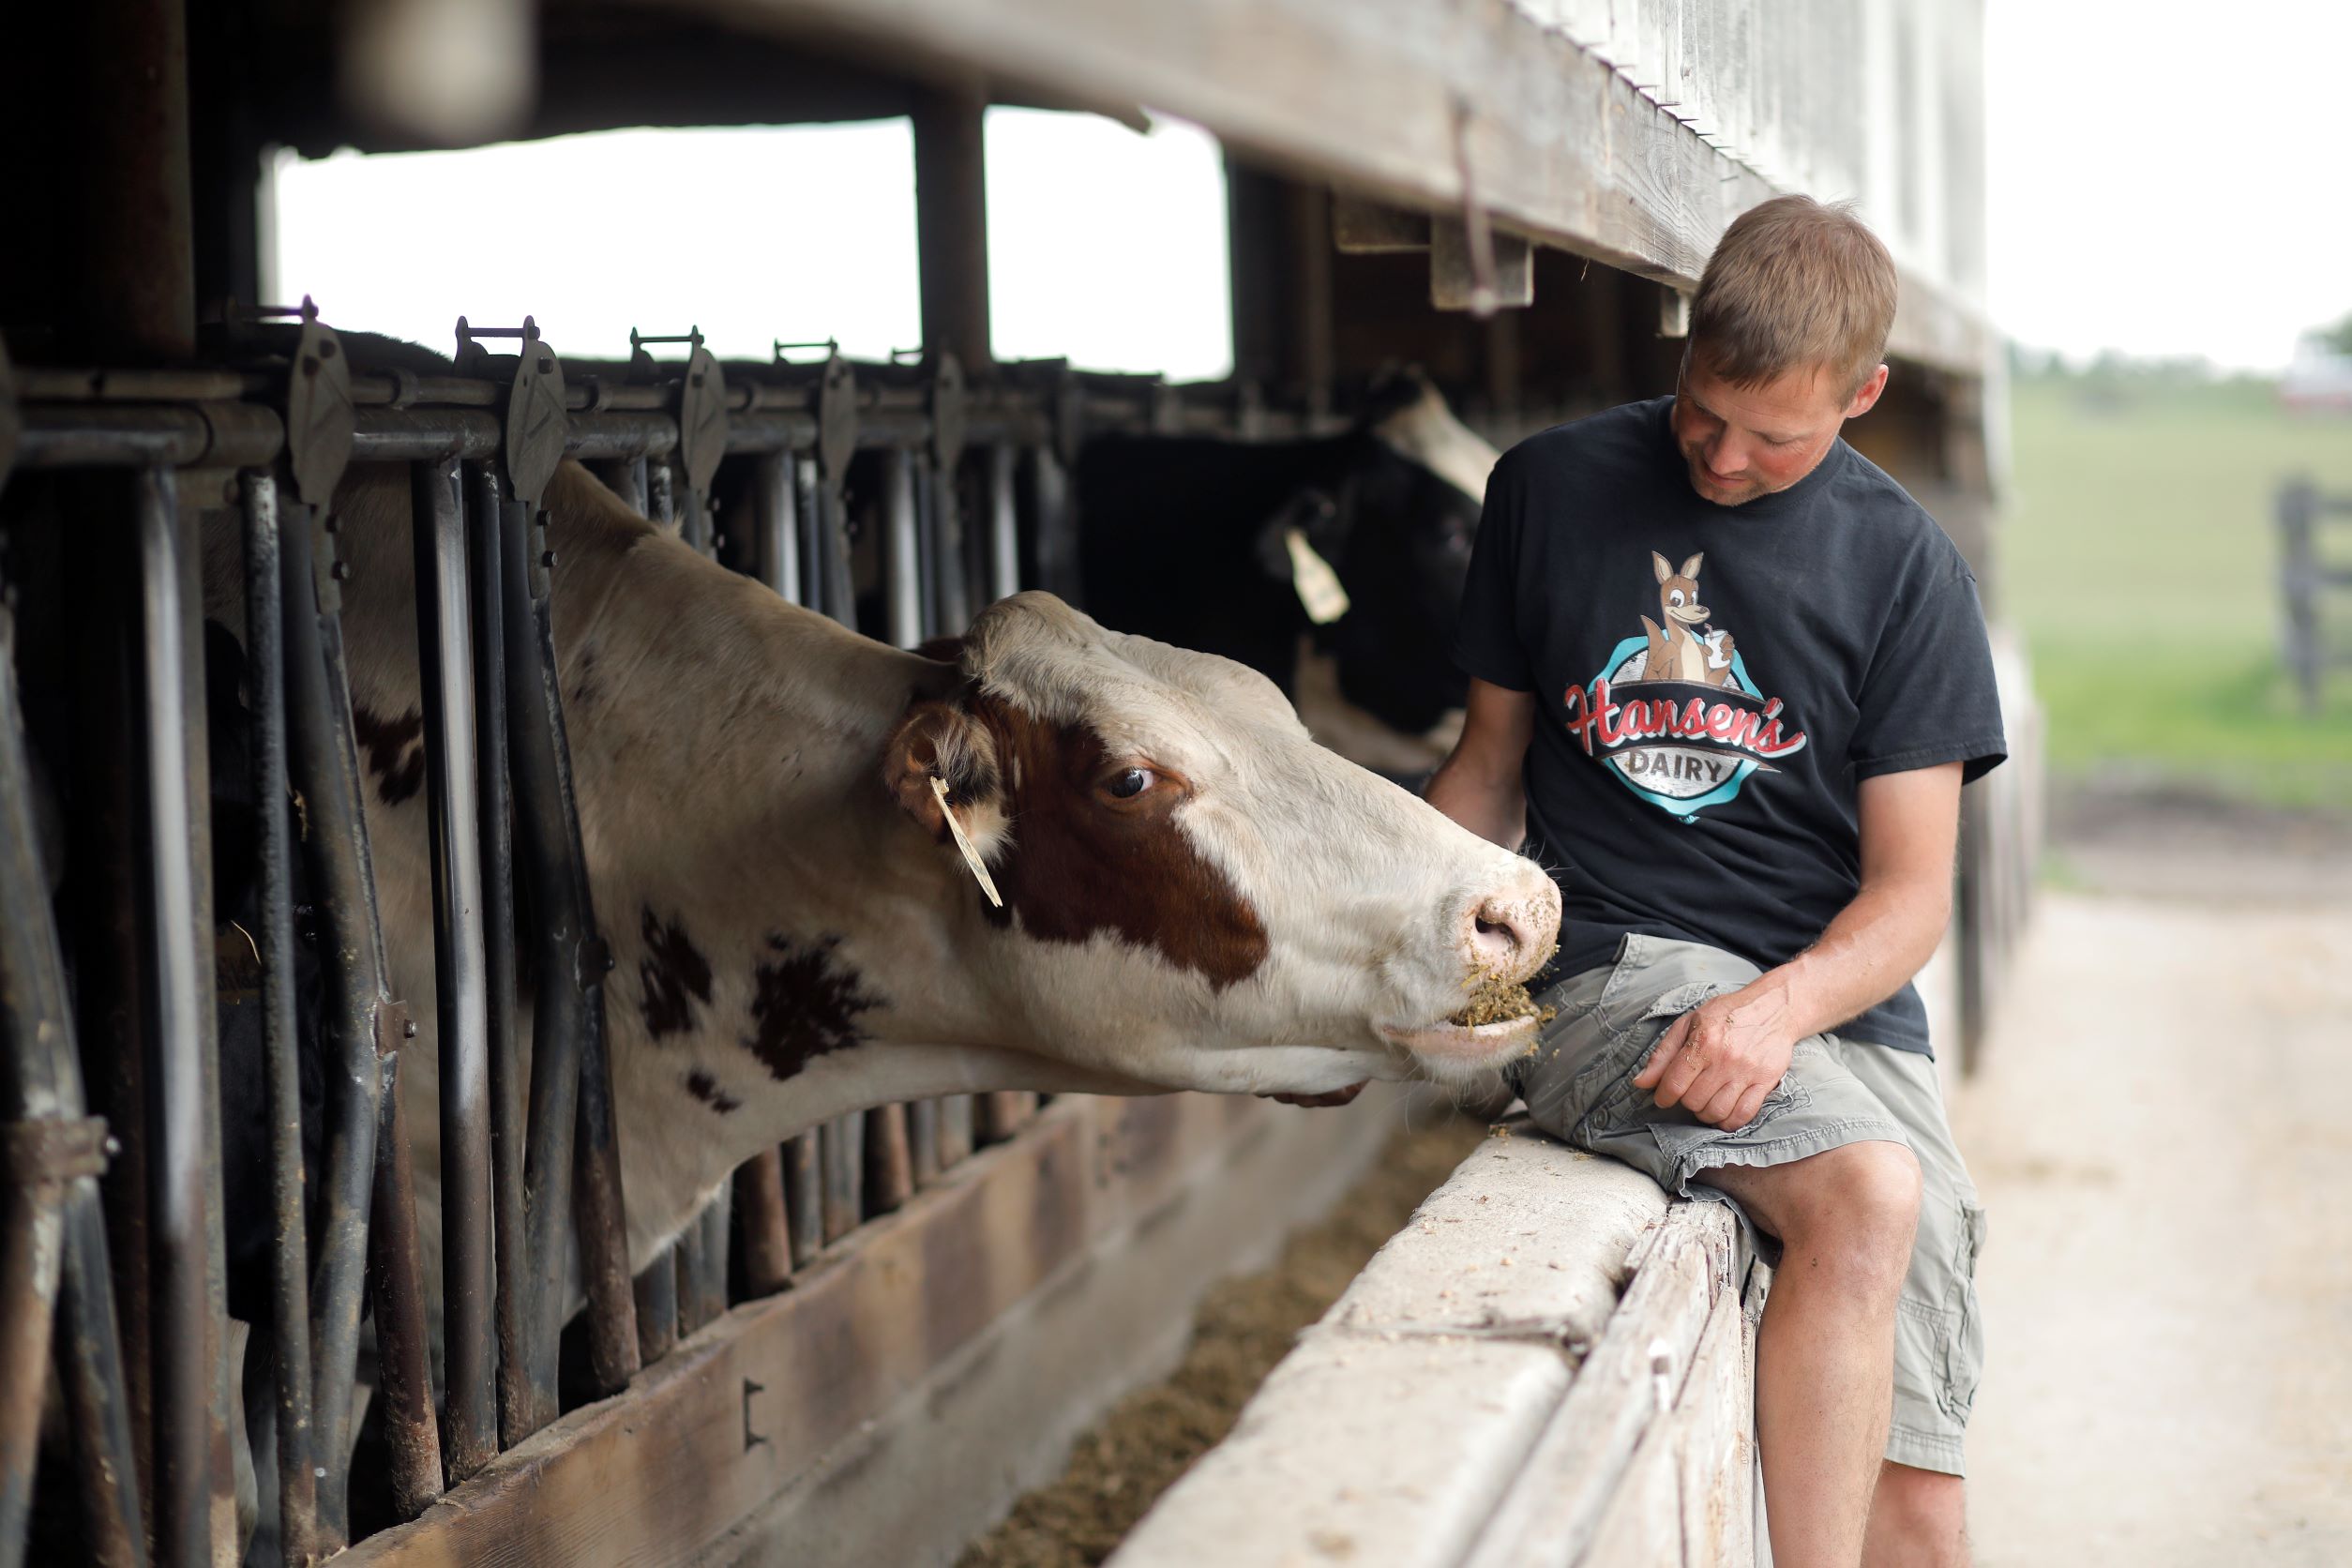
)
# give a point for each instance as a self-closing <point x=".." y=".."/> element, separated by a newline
<point x="1964" y="1352"/>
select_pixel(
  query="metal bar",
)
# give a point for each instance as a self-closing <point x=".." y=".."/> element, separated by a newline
<point x="686" y="1268"/>
<point x="922" y="1141"/>
<point x="325" y="773"/>
<point x="835" y="594"/>
<point x="31" y="1224"/>
<point x="175" y="1078"/>
<point x="655" y="1292"/>
<point x="196" y="778"/>
<point x="901" y="556"/>
<point x="495" y="829"/>
<point x="889" y="1162"/>
<point x="710" y="1279"/>
<point x="1054" y="533"/>
<point x="931" y="561"/>
<point x="600" y="1214"/>
<point x="760" y="1186"/>
<point x="570" y="1082"/>
<point x="841" y="1155"/>
<point x="953" y="567"/>
<point x="803" y="1198"/>
<point x="765" y="1230"/>
<point x="102" y="1358"/>
<point x="776" y="524"/>
<point x="445" y="641"/>
<point x="33" y="1196"/>
<point x="290" y="1255"/>
<point x="90" y="1364"/>
<point x="1005" y="546"/>
<point x="955" y="1131"/>
<point x="1001" y="1113"/>
<point x="403" y="1364"/>
<point x="660" y="495"/>
<point x="626" y="478"/>
<point x="545" y="830"/>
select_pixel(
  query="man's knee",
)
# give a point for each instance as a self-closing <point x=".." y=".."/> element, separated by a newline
<point x="1859" y="1208"/>
<point x="1917" y="1515"/>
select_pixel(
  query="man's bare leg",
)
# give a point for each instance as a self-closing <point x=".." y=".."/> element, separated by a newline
<point x="1825" y="1352"/>
<point x="1918" y="1518"/>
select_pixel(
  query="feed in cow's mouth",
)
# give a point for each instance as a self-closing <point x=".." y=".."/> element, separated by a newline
<point x="1496" y="1004"/>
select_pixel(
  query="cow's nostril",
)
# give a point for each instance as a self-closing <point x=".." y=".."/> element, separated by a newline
<point x="1495" y="935"/>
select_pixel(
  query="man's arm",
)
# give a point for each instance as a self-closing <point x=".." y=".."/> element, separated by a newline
<point x="1480" y="785"/>
<point x="1720" y="1059"/>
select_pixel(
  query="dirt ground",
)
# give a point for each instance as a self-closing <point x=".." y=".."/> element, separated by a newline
<point x="2162" y="1128"/>
<point x="1244" y="1325"/>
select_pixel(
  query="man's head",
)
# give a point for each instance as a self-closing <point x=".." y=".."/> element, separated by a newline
<point x="1786" y="334"/>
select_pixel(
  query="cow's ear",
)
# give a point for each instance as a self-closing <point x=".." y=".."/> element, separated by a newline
<point x="1664" y="568"/>
<point x="941" y="740"/>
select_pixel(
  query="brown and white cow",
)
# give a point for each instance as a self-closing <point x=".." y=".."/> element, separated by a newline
<point x="1196" y="894"/>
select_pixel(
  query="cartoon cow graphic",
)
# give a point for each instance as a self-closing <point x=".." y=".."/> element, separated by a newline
<point x="1684" y="649"/>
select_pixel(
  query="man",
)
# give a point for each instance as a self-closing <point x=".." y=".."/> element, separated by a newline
<point x="1728" y="679"/>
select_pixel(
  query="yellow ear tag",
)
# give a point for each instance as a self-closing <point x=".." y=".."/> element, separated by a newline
<point x="1317" y="584"/>
<point x="971" y="856"/>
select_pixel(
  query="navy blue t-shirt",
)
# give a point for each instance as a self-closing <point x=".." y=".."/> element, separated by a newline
<point x="1712" y="682"/>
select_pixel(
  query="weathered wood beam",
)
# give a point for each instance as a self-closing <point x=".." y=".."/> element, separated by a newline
<point x="769" y="1394"/>
<point x="1370" y="94"/>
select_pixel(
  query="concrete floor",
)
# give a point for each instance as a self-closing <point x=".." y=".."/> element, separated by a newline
<point x="2162" y="1128"/>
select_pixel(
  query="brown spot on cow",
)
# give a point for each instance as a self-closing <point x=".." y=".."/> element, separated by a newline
<point x="705" y="1088"/>
<point x="1087" y="859"/>
<point x="805" y="1003"/>
<point x="395" y="751"/>
<point x="673" y="976"/>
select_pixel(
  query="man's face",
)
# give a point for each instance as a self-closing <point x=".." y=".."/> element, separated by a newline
<point x="1742" y="443"/>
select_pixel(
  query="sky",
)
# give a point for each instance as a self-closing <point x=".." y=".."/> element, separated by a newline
<point x="1104" y="244"/>
<point x="2168" y="179"/>
<point x="2163" y="180"/>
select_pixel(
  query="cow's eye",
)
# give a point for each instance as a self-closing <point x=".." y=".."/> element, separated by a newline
<point x="1129" y="782"/>
<point x="1676" y="599"/>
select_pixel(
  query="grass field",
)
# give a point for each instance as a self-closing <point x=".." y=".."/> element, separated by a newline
<point x="2139" y="556"/>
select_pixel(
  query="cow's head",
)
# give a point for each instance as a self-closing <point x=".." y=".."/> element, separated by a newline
<point x="1395" y="520"/>
<point x="1194" y="894"/>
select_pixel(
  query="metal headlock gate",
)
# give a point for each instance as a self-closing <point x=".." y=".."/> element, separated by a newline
<point x="973" y="503"/>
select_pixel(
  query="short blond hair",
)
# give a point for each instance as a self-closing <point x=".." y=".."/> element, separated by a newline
<point x="1794" y="284"/>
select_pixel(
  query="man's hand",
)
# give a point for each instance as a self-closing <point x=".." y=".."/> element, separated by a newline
<point x="1720" y="1059"/>
<point x="1336" y="1097"/>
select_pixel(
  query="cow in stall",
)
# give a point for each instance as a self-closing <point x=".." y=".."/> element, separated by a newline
<point x="1194" y="894"/>
<point x="1333" y="566"/>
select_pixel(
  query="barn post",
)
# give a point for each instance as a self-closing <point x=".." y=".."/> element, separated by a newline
<point x="445" y="641"/>
<point x="951" y="219"/>
<point x="137" y="278"/>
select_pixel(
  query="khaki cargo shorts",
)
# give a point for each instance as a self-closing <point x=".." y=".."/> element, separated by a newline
<point x="1578" y="1084"/>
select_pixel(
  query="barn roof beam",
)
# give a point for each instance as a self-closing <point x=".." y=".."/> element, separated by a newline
<point x="1400" y="100"/>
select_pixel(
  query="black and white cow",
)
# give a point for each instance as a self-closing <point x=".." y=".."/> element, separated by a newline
<point x="1333" y="566"/>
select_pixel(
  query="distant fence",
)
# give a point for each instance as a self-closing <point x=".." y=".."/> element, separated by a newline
<point x="2305" y="576"/>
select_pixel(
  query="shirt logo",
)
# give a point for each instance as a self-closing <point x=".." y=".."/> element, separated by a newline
<point x="1673" y="713"/>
